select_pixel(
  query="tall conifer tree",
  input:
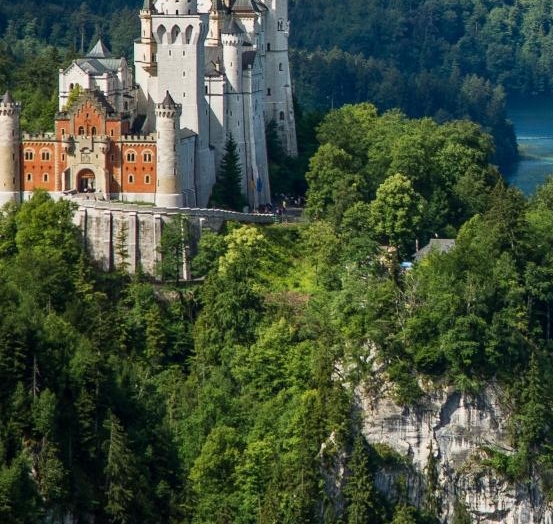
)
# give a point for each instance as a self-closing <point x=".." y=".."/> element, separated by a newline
<point x="227" y="189"/>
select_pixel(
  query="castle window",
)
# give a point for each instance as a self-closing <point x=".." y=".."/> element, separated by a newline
<point x="93" y="130"/>
<point x="268" y="91"/>
<point x="188" y="34"/>
<point x="280" y="66"/>
<point x="63" y="158"/>
<point x="268" y="46"/>
<point x="281" y="115"/>
<point x="170" y="52"/>
<point x="81" y="130"/>
<point x="111" y="132"/>
<point x="147" y="156"/>
<point x="63" y="132"/>
<point x="131" y="179"/>
<point x="29" y="177"/>
<point x="112" y="157"/>
<point x="45" y="155"/>
<point x="184" y="73"/>
<point x="147" y="179"/>
<point x="206" y="90"/>
<point x="45" y="177"/>
<point x="131" y="156"/>
<point x="29" y="155"/>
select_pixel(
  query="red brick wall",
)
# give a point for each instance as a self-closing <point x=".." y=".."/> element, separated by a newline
<point x="139" y="169"/>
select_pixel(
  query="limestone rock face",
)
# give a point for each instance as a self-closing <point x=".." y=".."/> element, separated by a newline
<point x="456" y="429"/>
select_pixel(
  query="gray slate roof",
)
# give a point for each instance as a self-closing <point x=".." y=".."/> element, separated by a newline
<point x="99" y="60"/>
<point x="441" y="245"/>
<point x="7" y="98"/>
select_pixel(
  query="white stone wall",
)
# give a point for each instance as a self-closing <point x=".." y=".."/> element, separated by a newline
<point x="9" y="152"/>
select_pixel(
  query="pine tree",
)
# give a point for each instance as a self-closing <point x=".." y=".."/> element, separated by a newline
<point x="227" y="189"/>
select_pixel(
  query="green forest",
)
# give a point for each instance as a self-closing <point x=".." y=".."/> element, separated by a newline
<point x="233" y="399"/>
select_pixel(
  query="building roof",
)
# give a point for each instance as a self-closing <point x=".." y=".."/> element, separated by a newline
<point x="248" y="6"/>
<point x="100" y="50"/>
<point x="7" y="98"/>
<point x="231" y="28"/>
<point x="440" y="245"/>
<point x="168" y="102"/>
<point x="99" y="61"/>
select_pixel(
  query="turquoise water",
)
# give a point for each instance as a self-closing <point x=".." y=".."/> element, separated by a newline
<point x="533" y="121"/>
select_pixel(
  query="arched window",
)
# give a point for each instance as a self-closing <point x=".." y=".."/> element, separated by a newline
<point x="175" y="33"/>
<point x="93" y="130"/>
<point x="147" y="179"/>
<point x="131" y="156"/>
<point x="147" y="156"/>
<point x="188" y="34"/>
<point x="281" y="115"/>
<point x="29" y="154"/>
<point x="131" y="179"/>
<point x="29" y="177"/>
<point x="45" y="155"/>
<point x="81" y="130"/>
<point x="45" y="177"/>
<point x="161" y="34"/>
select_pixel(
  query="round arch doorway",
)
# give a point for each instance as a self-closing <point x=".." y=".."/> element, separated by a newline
<point x="86" y="181"/>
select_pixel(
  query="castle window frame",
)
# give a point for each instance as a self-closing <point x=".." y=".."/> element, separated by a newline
<point x="280" y="67"/>
<point x="268" y="91"/>
<point x="93" y="130"/>
<point x="281" y="115"/>
<point x="45" y="155"/>
<point x="131" y="156"/>
<point x="80" y="131"/>
<point x="147" y="157"/>
<point x="29" y="154"/>
<point x="131" y="178"/>
<point x="147" y="179"/>
<point x="45" y="177"/>
<point x="29" y="177"/>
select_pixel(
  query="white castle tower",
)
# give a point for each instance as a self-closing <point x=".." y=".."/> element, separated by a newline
<point x="170" y="56"/>
<point x="280" y="107"/>
<point x="169" y="191"/>
<point x="9" y="149"/>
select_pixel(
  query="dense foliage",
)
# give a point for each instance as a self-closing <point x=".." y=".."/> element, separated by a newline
<point x="233" y="400"/>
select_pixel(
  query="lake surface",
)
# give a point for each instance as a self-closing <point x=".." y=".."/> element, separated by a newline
<point x="533" y="121"/>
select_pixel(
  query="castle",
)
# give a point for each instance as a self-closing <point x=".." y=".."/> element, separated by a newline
<point x="201" y="75"/>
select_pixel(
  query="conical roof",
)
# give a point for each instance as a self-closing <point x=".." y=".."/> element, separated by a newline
<point x="231" y="28"/>
<point x="100" y="50"/>
<point x="7" y="98"/>
<point x="168" y="102"/>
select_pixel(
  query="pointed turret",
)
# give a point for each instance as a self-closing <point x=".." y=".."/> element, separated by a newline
<point x="7" y="98"/>
<point x="100" y="50"/>
<point x="169" y="192"/>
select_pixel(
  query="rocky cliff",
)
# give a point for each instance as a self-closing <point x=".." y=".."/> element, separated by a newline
<point x="445" y="442"/>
